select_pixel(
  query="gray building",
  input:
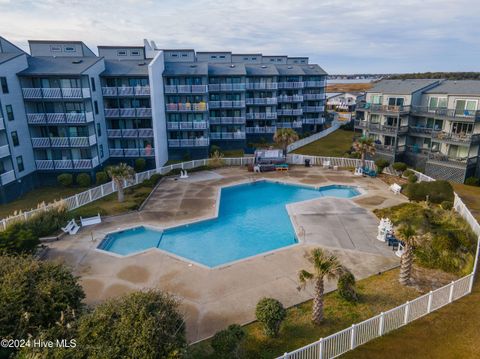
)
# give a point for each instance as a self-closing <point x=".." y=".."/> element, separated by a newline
<point x="433" y="125"/>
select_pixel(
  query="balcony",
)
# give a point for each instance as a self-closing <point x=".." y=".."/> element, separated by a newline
<point x="294" y="98"/>
<point x="56" y="93"/>
<point x="365" y="106"/>
<point x="261" y="86"/>
<point x="130" y="133"/>
<point x="126" y="91"/>
<point x="290" y="112"/>
<point x="455" y="137"/>
<point x="263" y="129"/>
<point x="186" y="89"/>
<point x="261" y="101"/>
<point x="7" y="177"/>
<point x="293" y="124"/>
<point x="75" y="164"/>
<point x="361" y="124"/>
<point x="187" y="107"/>
<point x="128" y="112"/>
<point x="388" y="149"/>
<point x="2" y="125"/>
<point x="194" y="142"/>
<point x="63" y="142"/>
<point x="261" y="116"/>
<point x="4" y="151"/>
<point x="313" y="108"/>
<point x="226" y="104"/>
<point x="420" y="130"/>
<point x="132" y="152"/>
<point x="226" y="87"/>
<point x="59" y="118"/>
<point x="291" y="85"/>
<point x="227" y="135"/>
<point x="466" y="115"/>
<point x="187" y="125"/>
<point x="313" y="96"/>
<point x="417" y="150"/>
<point x="377" y="127"/>
<point x="440" y="158"/>
<point x="227" y="120"/>
<point x="314" y="121"/>
<point x="315" y="83"/>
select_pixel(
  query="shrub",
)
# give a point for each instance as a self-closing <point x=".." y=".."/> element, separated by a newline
<point x="346" y="286"/>
<point x="399" y="167"/>
<point x="152" y="181"/>
<point x="46" y="223"/>
<point x="437" y="191"/>
<point x="381" y="164"/>
<point x="412" y="178"/>
<point x="472" y="181"/>
<point x="83" y="179"/>
<point x="65" y="179"/>
<point x="226" y="342"/>
<point x="270" y="313"/>
<point x="140" y="164"/>
<point x="407" y="173"/>
<point x="101" y="177"/>
<point x="214" y="148"/>
<point x="447" y="205"/>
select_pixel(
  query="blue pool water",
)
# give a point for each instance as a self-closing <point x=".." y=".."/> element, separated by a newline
<point x="252" y="219"/>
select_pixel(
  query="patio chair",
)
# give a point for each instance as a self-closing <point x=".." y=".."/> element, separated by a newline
<point x="71" y="228"/>
<point x="90" y="221"/>
<point x="395" y="188"/>
<point x="326" y="164"/>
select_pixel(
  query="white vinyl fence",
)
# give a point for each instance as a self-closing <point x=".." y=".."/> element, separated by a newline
<point x="103" y="190"/>
<point x="316" y="136"/>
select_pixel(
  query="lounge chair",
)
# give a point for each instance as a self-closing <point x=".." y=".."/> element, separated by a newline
<point x="358" y="171"/>
<point x="395" y="188"/>
<point x="71" y="228"/>
<point x="91" y="220"/>
<point x="183" y="174"/>
<point x="326" y="164"/>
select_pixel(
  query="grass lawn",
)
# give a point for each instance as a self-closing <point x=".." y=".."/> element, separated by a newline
<point x="31" y="199"/>
<point x="470" y="195"/>
<point x="233" y="153"/>
<point x="377" y="293"/>
<point x="335" y="144"/>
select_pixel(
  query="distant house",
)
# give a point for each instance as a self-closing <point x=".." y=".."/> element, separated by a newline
<point x="343" y="101"/>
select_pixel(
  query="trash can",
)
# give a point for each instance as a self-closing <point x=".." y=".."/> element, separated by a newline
<point x="307" y="162"/>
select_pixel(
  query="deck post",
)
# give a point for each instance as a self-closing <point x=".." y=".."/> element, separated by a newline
<point x="320" y="348"/>
<point x="407" y="311"/>
<point x="352" y="337"/>
<point x="380" y="324"/>
<point x="285" y="356"/>
<point x="450" y="296"/>
<point x="429" y="306"/>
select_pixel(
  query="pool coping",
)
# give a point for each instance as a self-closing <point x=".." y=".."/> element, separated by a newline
<point x="300" y="241"/>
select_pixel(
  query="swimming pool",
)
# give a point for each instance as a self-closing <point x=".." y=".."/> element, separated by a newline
<point x="252" y="219"/>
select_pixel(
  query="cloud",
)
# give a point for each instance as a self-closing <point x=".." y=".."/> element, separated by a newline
<point x="341" y="35"/>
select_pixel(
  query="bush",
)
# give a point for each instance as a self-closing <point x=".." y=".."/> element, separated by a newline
<point x="472" y="181"/>
<point x="412" y="178"/>
<point x="270" y="313"/>
<point x="399" y="167"/>
<point x="408" y="173"/>
<point x="226" y="342"/>
<point x="447" y="205"/>
<point x="214" y="148"/>
<point x="101" y="177"/>
<point x="143" y="324"/>
<point x="437" y="191"/>
<point x="83" y="179"/>
<point x="152" y="181"/>
<point x="346" y="286"/>
<point x="65" y="179"/>
<point x="140" y="165"/>
<point x="381" y="164"/>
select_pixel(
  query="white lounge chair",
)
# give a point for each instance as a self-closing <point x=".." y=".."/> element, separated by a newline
<point x="326" y="164"/>
<point x="71" y="228"/>
<point x="91" y="220"/>
<point x="183" y="174"/>
<point x="395" y="188"/>
<point x="358" y="171"/>
<point x="400" y="250"/>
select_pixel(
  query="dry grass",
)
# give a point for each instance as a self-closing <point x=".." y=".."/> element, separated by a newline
<point x="356" y="87"/>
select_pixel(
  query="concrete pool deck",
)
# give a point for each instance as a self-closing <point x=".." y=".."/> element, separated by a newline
<point x="213" y="298"/>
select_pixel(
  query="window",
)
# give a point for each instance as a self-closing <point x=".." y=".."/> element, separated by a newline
<point x="121" y="53"/>
<point x="135" y="53"/>
<point x="222" y="57"/>
<point x="94" y="87"/>
<point x="99" y="130"/>
<point x="184" y="55"/>
<point x="3" y="82"/>
<point x="174" y="55"/>
<point x="254" y="58"/>
<point x="271" y="60"/>
<point x="101" y="151"/>
<point x="376" y="99"/>
<point x="54" y="48"/>
<point x="15" y="141"/>
<point x="9" y="112"/>
<point x="395" y="101"/>
<point x="20" y="165"/>
<point x="465" y="107"/>
<point x="69" y="49"/>
<point x="213" y="56"/>
<point x="245" y="59"/>
<point x="95" y="105"/>
<point x="437" y="102"/>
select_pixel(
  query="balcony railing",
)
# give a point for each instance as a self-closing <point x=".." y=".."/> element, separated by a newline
<point x="187" y="125"/>
<point x="4" y="151"/>
<point x="44" y="142"/>
<point x="227" y="135"/>
<point x="59" y="118"/>
<point x="187" y="107"/>
<point x="227" y="120"/>
<point x="315" y="83"/>
<point x="195" y="142"/>
<point x="294" y="98"/>
<point x="56" y="93"/>
<point x="418" y="150"/>
<point x="293" y="124"/>
<point x="290" y="112"/>
<point x="291" y="85"/>
<point x="7" y="177"/>
<point x="313" y="108"/>
<point x="361" y="124"/>
<point x="261" y="116"/>
<point x="421" y="130"/>
<point x="226" y="104"/>
<point x="226" y="87"/>
<point x="377" y="127"/>
<point x="261" y="101"/>
<point x="465" y="115"/>
<point x="314" y="121"/>
<point x="455" y="161"/>
<point x="383" y="108"/>
<point x="313" y="96"/>
<point x="128" y="112"/>
<point x="263" y="129"/>
<point x="182" y="89"/>
<point x="2" y="125"/>
<point x="130" y="133"/>
<point x="455" y="137"/>
<point x="261" y="86"/>
<point x="132" y="152"/>
<point x="126" y="91"/>
<point x="75" y="164"/>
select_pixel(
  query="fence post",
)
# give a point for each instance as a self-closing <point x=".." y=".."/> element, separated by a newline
<point x="320" y="348"/>
<point x="380" y="324"/>
<point x="76" y="201"/>
<point x="102" y="190"/>
<point x="285" y="356"/>
<point x="450" y="296"/>
<point x="407" y="311"/>
<point x="429" y="306"/>
<point x="352" y="337"/>
<point x="90" y="195"/>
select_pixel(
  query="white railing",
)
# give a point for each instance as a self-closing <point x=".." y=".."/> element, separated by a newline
<point x="316" y="136"/>
<point x="7" y="177"/>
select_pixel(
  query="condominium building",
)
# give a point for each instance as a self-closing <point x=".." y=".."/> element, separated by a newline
<point x="433" y="125"/>
<point x="64" y="108"/>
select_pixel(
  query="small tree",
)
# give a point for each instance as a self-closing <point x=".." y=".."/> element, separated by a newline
<point x="364" y="146"/>
<point x="216" y="160"/>
<point x="406" y="233"/>
<point x="400" y="167"/>
<point x="271" y="313"/>
<point x="346" y="286"/>
<point x="119" y="174"/>
<point x="381" y="164"/>
<point x="140" y="164"/>
<point x="284" y="137"/>
<point x="324" y="266"/>
<point x="226" y="342"/>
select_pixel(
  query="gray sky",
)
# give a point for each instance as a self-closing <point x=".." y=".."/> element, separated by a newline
<point x="343" y="36"/>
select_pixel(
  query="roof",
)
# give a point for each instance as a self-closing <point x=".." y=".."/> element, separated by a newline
<point x="48" y="65"/>
<point x="261" y="70"/>
<point x="462" y="87"/>
<point x="120" y="47"/>
<point x="186" y="68"/>
<point x="402" y="87"/>
<point x="313" y="69"/>
<point x="126" y="67"/>
<point x="290" y="70"/>
<point x="7" y="56"/>
<point x="219" y="69"/>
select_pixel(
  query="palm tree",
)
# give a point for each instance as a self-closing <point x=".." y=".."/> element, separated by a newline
<point x="324" y="266"/>
<point x="407" y="234"/>
<point x="364" y="145"/>
<point x="285" y="137"/>
<point x="119" y="174"/>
